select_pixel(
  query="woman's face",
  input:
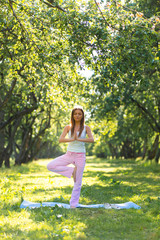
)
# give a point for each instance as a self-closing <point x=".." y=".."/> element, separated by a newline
<point x="77" y="115"/>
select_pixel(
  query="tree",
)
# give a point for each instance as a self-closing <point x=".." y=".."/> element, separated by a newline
<point x="44" y="43"/>
<point x="33" y="62"/>
<point x="126" y="66"/>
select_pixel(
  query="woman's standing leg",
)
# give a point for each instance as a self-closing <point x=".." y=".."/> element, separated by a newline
<point x="79" y="162"/>
<point x="59" y="165"/>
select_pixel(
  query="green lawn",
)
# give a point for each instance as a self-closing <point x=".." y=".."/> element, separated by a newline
<point x="112" y="181"/>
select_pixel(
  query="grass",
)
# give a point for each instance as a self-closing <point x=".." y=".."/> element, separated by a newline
<point x="112" y="181"/>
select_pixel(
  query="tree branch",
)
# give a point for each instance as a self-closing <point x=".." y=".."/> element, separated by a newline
<point x="149" y="116"/>
<point x="14" y="14"/>
<point x="109" y="25"/>
<point x="49" y="3"/>
<point x="9" y="93"/>
<point x="17" y="115"/>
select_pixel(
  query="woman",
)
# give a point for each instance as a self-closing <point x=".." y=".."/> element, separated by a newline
<point x="75" y="153"/>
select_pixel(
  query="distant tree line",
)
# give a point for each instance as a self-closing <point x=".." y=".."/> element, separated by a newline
<point x="44" y="44"/>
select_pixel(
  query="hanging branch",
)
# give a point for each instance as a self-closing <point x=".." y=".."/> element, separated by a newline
<point x="109" y="25"/>
<point x="130" y="9"/>
<point x="8" y="94"/>
<point x="49" y="3"/>
<point x="17" y="115"/>
<point x="31" y="40"/>
<point x="148" y="115"/>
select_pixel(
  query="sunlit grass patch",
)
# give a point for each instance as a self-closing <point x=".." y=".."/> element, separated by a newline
<point x="112" y="181"/>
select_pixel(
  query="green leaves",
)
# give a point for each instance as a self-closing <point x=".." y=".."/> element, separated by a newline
<point x="44" y="46"/>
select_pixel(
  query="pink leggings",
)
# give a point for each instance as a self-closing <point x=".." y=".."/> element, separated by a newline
<point x="59" y="165"/>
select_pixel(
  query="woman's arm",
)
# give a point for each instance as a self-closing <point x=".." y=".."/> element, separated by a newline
<point x="63" y="135"/>
<point x="90" y="136"/>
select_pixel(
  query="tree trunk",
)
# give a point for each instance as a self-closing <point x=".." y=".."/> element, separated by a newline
<point x="2" y="139"/>
<point x="10" y="140"/>
<point x="23" y="147"/>
<point x="6" y="157"/>
<point x="127" y="150"/>
<point x="111" y="149"/>
<point x="153" y="151"/>
<point x="157" y="156"/>
<point x="144" y="149"/>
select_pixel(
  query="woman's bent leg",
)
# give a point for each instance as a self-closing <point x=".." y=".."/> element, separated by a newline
<point x="59" y="165"/>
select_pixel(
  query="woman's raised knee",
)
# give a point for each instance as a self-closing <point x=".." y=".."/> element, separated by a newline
<point x="51" y="166"/>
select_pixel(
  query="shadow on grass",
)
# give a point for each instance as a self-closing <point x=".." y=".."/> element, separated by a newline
<point x="139" y="178"/>
<point x="127" y="180"/>
<point x="93" y="194"/>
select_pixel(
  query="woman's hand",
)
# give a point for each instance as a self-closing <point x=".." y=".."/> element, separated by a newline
<point x="63" y="138"/>
<point x="90" y="138"/>
<point x="75" y="137"/>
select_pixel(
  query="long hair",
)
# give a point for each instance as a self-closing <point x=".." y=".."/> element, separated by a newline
<point x="73" y="122"/>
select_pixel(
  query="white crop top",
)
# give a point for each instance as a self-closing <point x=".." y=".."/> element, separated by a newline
<point x="77" y="146"/>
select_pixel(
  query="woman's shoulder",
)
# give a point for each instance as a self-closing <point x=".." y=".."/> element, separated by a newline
<point x="67" y="128"/>
<point x="87" y="127"/>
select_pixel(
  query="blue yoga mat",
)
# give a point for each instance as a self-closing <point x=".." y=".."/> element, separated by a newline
<point x="127" y="205"/>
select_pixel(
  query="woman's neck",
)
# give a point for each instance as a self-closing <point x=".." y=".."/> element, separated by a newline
<point x="77" y="125"/>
